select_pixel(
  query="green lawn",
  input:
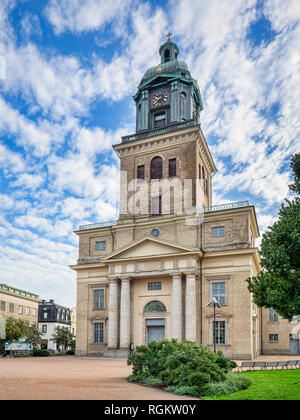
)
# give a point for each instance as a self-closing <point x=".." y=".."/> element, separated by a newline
<point x="268" y="385"/>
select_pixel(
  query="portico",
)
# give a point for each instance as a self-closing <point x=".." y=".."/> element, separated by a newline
<point x="152" y="295"/>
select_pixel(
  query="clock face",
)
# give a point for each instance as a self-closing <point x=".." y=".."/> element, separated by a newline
<point x="160" y="98"/>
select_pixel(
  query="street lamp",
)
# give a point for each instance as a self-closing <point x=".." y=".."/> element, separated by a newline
<point x="214" y="302"/>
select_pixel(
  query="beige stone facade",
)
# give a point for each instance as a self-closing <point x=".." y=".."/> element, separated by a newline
<point x="19" y="304"/>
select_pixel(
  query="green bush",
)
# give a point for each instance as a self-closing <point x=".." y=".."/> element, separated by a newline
<point x="231" y="384"/>
<point x="183" y="365"/>
<point x="184" y="390"/>
<point x="40" y="353"/>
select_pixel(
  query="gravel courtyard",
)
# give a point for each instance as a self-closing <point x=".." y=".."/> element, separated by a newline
<point x="72" y="378"/>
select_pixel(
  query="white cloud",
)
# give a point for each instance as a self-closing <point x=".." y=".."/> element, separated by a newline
<point x="77" y="16"/>
<point x="30" y="181"/>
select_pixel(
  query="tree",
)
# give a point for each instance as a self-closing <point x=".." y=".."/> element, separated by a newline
<point x="15" y="329"/>
<point x="33" y="336"/>
<point x="63" y="338"/>
<point x="277" y="286"/>
<point x="295" y="165"/>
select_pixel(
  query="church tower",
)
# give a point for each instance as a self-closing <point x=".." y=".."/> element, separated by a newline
<point x="168" y="144"/>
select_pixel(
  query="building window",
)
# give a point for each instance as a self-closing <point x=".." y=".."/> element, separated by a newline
<point x="273" y="338"/>
<point x="273" y="315"/>
<point x="27" y="311"/>
<point x="99" y="333"/>
<point x="20" y="310"/>
<point x="33" y="312"/>
<point x="160" y="120"/>
<point x="100" y="246"/>
<point x="33" y="324"/>
<point x="141" y="172"/>
<point x="45" y="315"/>
<point x="44" y="329"/>
<point x="219" y="292"/>
<point x="155" y="233"/>
<point x="156" y="168"/>
<point x="11" y="307"/>
<point x="167" y="55"/>
<point x="217" y="232"/>
<point x="156" y="206"/>
<point x="99" y="299"/>
<point x="219" y="328"/>
<point x="154" y="285"/>
<point x="2" y="305"/>
<point x="172" y="167"/>
<point x="155" y="306"/>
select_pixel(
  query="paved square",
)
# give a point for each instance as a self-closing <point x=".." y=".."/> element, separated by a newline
<point x="72" y="378"/>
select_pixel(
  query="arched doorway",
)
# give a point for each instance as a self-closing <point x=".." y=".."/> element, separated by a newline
<point x="155" y="327"/>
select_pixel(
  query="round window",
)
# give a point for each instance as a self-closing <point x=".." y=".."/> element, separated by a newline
<point x="155" y="233"/>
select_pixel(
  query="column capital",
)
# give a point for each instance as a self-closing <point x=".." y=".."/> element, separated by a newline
<point x="191" y="274"/>
<point x="178" y="275"/>
<point x="124" y="278"/>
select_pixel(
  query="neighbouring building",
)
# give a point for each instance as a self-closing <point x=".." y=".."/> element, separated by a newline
<point x="73" y="321"/>
<point x="150" y="274"/>
<point x="19" y="304"/>
<point x="51" y="316"/>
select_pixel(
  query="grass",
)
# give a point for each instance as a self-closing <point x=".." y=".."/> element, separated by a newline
<point x="268" y="385"/>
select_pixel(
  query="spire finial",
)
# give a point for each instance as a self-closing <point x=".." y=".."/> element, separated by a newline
<point x="169" y="37"/>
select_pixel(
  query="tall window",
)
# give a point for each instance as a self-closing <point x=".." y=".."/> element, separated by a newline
<point x="20" y="310"/>
<point x="219" y="292"/>
<point x="219" y="328"/>
<point x="156" y="206"/>
<point x="167" y="55"/>
<point x="156" y="168"/>
<point x="44" y="329"/>
<point x="27" y="311"/>
<point x="11" y="307"/>
<point x="141" y="172"/>
<point x="273" y="315"/>
<point x="172" y="167"/>
<point x="99" y="333"/>
<point x="2" y="305"/>
<point x="99" y="299"/>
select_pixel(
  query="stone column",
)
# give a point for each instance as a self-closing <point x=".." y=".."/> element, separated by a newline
<point x="113" y="314"/>
<point x="191" y="308"/>
<point x="125" y="314"/>
<point x="177" y="307"/>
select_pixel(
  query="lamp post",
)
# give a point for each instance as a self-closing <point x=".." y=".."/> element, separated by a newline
<point x="214" y="302"/>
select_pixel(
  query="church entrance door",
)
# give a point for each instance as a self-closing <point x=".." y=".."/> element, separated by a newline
<point x="155" y="329"/>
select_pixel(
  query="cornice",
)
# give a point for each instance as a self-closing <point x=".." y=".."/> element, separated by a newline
<point x="158" y="142"/>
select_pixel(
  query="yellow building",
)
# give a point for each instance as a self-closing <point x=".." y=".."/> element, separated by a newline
<point x="19" y="304"/>
<point x="150" y="274"/>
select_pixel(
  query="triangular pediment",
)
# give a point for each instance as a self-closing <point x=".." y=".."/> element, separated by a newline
<point x="149" y="247"/>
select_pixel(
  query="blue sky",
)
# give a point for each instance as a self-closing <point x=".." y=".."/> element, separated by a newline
<point x="68" y="71"/>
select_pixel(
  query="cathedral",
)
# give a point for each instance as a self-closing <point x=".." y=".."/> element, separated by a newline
<point x="152" y="273"/>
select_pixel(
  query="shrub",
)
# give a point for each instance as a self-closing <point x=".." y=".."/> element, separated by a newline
<point x="40" y="353"/>
<point x="218" y="388"/>
<point x="231" y="384"/>
<point x="184" y="390"/>
<point x="178" y="364"/>
<point x="240" y="381"/>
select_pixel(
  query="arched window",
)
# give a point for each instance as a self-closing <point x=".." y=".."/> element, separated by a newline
<point x="155" y="306"/>
<point x="167" y="55"/>
<point x="156" y="168"/>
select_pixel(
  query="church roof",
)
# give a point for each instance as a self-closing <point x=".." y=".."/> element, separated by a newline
<point x="174" y="66"/>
